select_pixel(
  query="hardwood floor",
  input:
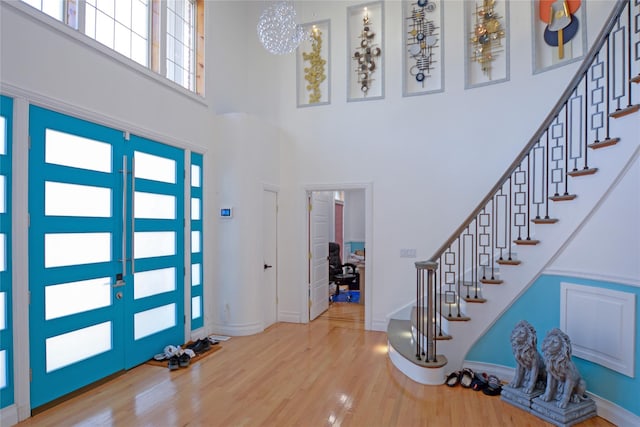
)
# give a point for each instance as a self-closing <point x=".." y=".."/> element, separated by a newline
<point x="329" y="372"/>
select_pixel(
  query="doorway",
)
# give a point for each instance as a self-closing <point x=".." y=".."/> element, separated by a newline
<point x="354" y="201"/>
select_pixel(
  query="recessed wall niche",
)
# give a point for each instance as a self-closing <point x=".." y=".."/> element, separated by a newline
<point x="313" y="74"/>
<point x="422" y="47"/>
<point x="559" y="33"/>
<point x="365" y="44"/>
<point x="487" y="42"/>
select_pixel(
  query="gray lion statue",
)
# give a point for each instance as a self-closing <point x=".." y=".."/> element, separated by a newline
<point x="564" y="382"/>
<point x="531" y="368"/>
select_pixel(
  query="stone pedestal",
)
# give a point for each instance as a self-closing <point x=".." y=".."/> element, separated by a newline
<point x="574" y="412"/>
<point x="518" y="397"/>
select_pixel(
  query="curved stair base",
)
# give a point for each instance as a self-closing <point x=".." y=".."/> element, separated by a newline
<point x="419" y="374"/>
<point x="402" y="352"/>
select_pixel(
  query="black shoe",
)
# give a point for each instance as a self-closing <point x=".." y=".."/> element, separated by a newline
<point x="200" y="346"/>
<point x="174" y="363"/>
<point x="184" y="360"/>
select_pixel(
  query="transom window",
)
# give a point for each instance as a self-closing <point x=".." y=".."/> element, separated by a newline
<point x="161" y="35"/>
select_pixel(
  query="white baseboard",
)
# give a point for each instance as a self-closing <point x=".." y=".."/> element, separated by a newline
<point x="289" y="316"/>
<point x="240" y="329"/>
<point x="9" y="416"/>
<point x="379" y="325"/>
<point x="606" y="409"/>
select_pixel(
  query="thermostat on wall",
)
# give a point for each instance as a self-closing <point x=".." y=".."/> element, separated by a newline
<point x="226" y="212"/>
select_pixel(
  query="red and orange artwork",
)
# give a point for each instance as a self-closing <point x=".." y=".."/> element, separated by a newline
<point x="562" y="23"/>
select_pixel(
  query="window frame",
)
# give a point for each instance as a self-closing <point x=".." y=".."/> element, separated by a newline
<point x="156" y="46"/>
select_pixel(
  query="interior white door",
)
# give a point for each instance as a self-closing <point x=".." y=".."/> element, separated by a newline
<point x="270" y="251"/>
<point x="320" y="209"/>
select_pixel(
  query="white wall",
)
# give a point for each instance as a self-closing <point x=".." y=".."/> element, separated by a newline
<point x="354" y="216"/>
<point x="607" y="247"/>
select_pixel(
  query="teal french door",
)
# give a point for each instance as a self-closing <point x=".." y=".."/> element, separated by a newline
<point x="6" y="328"/>
<point x="106" y="243"/>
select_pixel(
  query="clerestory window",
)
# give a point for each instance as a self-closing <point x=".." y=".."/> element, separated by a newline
<point x="166" y="36"/>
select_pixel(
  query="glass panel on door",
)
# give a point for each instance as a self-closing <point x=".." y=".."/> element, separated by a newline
<point x="197" y="319"/>
<point x="6" y="318"/>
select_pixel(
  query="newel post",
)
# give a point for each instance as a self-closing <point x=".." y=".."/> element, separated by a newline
<point x="425" y="312"/>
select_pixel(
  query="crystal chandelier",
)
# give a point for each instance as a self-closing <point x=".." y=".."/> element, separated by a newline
<point x="277" y="29"/>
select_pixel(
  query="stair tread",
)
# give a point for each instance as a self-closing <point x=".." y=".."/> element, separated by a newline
<point x="625" y="111"/>
<point x="492" y="281"/>
<point x="509" y="261"/>
<point x="562" y="198"/>
<point x="474" y="300"/>
<point x="635" y="79"/>
<point x="606" y="143"/>
<point x="544" y="220"/>
<point x="526" y="241"/>
<point x="582" y="172"/>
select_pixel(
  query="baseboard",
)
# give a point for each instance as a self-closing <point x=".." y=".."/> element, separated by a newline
<point x="379" y="325"/>
<point x="9" y="416"/>
<point x="289" y="316"/>
<point x="614" y="413"/>
<point x="606" y="409"/>
<point x="239" y="329"/>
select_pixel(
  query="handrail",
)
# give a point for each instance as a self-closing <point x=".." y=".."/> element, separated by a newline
<point x="584" y="67"/>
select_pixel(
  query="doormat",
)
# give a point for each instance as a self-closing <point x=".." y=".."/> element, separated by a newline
<point x="164" y="363"/>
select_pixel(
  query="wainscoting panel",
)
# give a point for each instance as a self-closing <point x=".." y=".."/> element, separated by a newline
<point x="601" y="324"/>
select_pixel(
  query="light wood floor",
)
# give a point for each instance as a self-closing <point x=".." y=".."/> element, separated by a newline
<point x="330" y="372"/>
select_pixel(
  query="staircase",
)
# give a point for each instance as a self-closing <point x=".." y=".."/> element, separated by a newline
<point x="566" y="169"/>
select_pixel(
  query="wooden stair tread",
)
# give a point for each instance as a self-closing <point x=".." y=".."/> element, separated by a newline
<point x="563" y="197"/>
<point x="635" y="79"/>
<point x="454" y="318"/>
<point x="508" y="261"/>
<point x="474" y="300"/>
<point x="606" y="143"/>
<point x="492" y="281"/>
<point x="526" y="242"/>
<point x="582" y="172"/>
<point x="544" y="220"/>
<point x="625" y="111"/>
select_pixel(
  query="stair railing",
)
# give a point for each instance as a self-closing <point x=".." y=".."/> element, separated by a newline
<point x="538" y="177"/>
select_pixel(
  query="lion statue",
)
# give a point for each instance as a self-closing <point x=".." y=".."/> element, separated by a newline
<point x="530" y="369"/>
<point x="564" y="382"/>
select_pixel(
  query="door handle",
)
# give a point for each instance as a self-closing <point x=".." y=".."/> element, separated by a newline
<point x="267" y="266"/>
<point x="119" y="281"/>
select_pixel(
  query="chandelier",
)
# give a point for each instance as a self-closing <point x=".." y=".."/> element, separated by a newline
<point x="277" y="29"/>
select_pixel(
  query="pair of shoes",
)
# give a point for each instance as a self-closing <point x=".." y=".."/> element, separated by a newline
<point x="174" y="363"/>
<point x="493" y="388"/>
<point x="466" y="378"/>
<point x="479" y="382"/>
<point x="213" y="341"/>
<point x="200" y="346"/>
<point x="453" y="379"/>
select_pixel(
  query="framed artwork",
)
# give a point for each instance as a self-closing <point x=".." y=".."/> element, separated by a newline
<point x="313" y="74"/>
<point x="559" y="33"/>
<point x="487" y="42"/>
<point x="422" y="50"/>
<point x="365" y="44"/>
